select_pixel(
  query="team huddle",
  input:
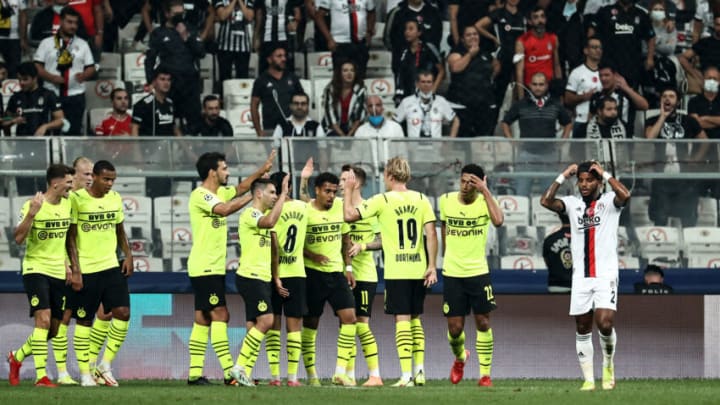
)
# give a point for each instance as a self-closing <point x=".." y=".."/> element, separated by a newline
<point x="296" y="255"/>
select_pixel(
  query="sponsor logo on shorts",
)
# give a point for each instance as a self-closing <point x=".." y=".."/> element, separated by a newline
<point x="262" y="306"/>
<point x="213" y="299"/>
<point x="81" y="312"/>
<point x="34" y="301"/>
<point x="446" y="308"/>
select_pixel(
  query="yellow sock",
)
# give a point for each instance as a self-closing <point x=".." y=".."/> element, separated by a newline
<point x="484" y="347"/>
<point x="197" y="346"/>
<point x="294" y="349"/>
<point x="219" y="340"/>
<point x="418" y="335"/>
<point x="457" y="345"/>
<point x="404" y="344"/>
<point x="81" y="341"/>
<point x="272" y="348"/>
<point x="24" y="350"/>
<point x="116" y="337"/>
<point x="345" y="346"/>
<point x="250" y="349"/>
<point x="308" y="351"/>
<point x="98" y="333"/>
<point x="369" y="347"/>
<point x="60" y="348"/>
<point x="40" y="351"/>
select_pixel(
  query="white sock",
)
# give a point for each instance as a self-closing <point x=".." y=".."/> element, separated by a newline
<point x="607" y="344"/>
<point x="418" y="368"/>
<point x="350" y="374"/>
<point x="584" y="350"/>
<point x="406" y="376"/>
<point x="292" y="377"/>
<point x="375" y="373"/>
<point x="339" y="370"/>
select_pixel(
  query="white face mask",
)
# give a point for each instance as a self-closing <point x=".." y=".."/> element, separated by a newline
<point x="426" y="96"/>
<point x="711" y="85"/>
<point x="657" y="15"/>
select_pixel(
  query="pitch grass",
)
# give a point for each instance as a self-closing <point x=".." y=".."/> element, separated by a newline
<point x="554" y="392"/>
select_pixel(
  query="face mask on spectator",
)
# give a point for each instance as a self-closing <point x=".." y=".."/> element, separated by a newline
<point x="711" y="85"/>
<point x="376" y="120"/>
<point x="657" y="15"/>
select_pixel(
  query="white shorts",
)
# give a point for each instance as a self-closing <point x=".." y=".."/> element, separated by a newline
<point x="592" y="293"/>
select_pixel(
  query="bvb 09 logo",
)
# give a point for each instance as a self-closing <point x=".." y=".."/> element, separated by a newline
<point x="81" y="312"/>
<point x="42" y="235"/>
<point x="446" y="308"/>
<point x="216" y="223"/>
<point x="86" y="227"/>
<point x="214" y="299"/>
<point x="34" y="301"/>
<point x="262" y="306"/>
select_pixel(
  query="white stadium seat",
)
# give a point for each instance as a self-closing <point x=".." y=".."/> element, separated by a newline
<point x="110" y="66"/>
<point x="134" y="69"/>
<point x="659" y="243"/>
<point x="172" y="218"/>
<point x="516" y="209"/>
<point x="237" y="93"/>
<point x="639" y="210"/>
<point x="521" y="262"/>
<point x="542" y="216"/>
<point x="97" y="93"/>
<point x="701" y="240"/>
<point x="707" y="212"/>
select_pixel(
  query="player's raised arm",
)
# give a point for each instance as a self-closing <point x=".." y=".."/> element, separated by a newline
<point x="228" y="208"/>
<point x="622" y="194"/>
<point x="548" y="199"/>
<point x="350" y="213"/>
<point x="496" y="215"/>
<point x="269" y="221"/>
<point x="307" y="171"/>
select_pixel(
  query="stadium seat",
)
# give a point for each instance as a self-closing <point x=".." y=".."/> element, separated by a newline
<point x="384" y="87"/>
<point x="172" y="219"/>
<point x="704" y="261"/>
<point x="701" y="240"/>
<point x="376" y="43"/>
<point x="299" y="64"/>
<point x="628" y="263"/>
<point x="134" y="69"/>
<point x="144" y="264"/>
<point x="660" y="244"/>
<point x="96" y="116"/>
<point x="241" y="121"/>
<point x="207" y="70"/>
<point x="542" y="216"/>
<point x="516" y="209"/>
<point x="138" y="223"/>
<point x="319" y="65"/>
<point x="97" y="93"/>
<point x="110" y="66"/>
<point x="237" y="93"/>
<point x="130" y="185"/>
<point x="707" y="212"/>
<point x="9" y="87"/>
<point x="519" y="240"/>
<point x="8" y="263"/>
<point x="521" y="262"/>
<point x="379" y="64"/>
<point x="639" y="210"/>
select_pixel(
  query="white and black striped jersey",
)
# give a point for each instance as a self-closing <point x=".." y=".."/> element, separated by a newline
<point x="234" y="34"/>
<point x="275" y="13"/>
<point x="348" y="18"/>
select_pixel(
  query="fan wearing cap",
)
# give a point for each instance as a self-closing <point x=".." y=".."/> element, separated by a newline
<point x="594" y="221"/>
<point x="653" y="282"/>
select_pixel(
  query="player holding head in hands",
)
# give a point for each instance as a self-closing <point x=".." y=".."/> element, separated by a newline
<point x="593" y="227"/>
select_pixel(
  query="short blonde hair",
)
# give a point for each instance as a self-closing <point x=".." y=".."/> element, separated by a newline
<point x="80" y="160"/>
<point x="399" y="169"/>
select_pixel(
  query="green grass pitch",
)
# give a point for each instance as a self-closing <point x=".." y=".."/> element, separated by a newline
<point x="553" y="392"/>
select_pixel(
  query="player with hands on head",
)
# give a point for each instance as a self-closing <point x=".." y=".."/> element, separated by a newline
<point x="594" y="219"/>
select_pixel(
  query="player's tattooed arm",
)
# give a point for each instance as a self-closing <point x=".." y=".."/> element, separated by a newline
<point x="548" y="199"/>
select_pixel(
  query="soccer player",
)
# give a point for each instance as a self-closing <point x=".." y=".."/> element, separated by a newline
<point x="365" y="237"/>
<point x="97" y="230"/>
<point x="465" y="217"/>
<point x="258" y="265"/>
<point x="43" y="225"/>
<point x="593" y="240"/>
<point x="209" y="206"/>
<point x="409" y="242"/>
<point x="290" y="281"/>
<point x="82" y="178"/>
<point x="325" y="242"/>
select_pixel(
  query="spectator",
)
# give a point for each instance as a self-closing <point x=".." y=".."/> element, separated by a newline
<point x="471" y="85"/>
<point x="653" y="282"/>
<point x="465" y="13"/>
<point x="665" y="39"/>
<point x="273" y="89"/>
<point x="13" y="33"/>
<point x="200" y="18"/>
<point x="35" y="110"/>
<point x="567" y="22"/>
<point x="558" y="258"/>
<point x="415" y="57"/>
<point x="350" y="31"/>
<point x="508" y="24"/>
<point x="47" y="22"/>
<point x="674" y="197"/>
<point x="299" y="124"/>
<point x="424" y="112"/>
<point x="65" y="62"/>
<point x="622" y="28"/>
<point x="93" y="18"/>
<point x="604" y="123"/>
<point x="275" y="23"/>
<point x="703" y="20"/>
<point x="233" y="38"/>
<point x="212" y="124"/>
<point x="429" y="21"/>
<point x="584" y="81"/>
<point x="614" y="85"/>
<point x="310" y="10"/>
<point x="344" y="107"/>
<point x="705" y="108"/>
<point x="154" y="114"/>
<point x="536" y="51"/>
<point x="706" y="49"/>
<point x="119" y="121"/>
<point x="178" y="49"/>
<point x="376" y="124"/>
<point x="537" y="115"/>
